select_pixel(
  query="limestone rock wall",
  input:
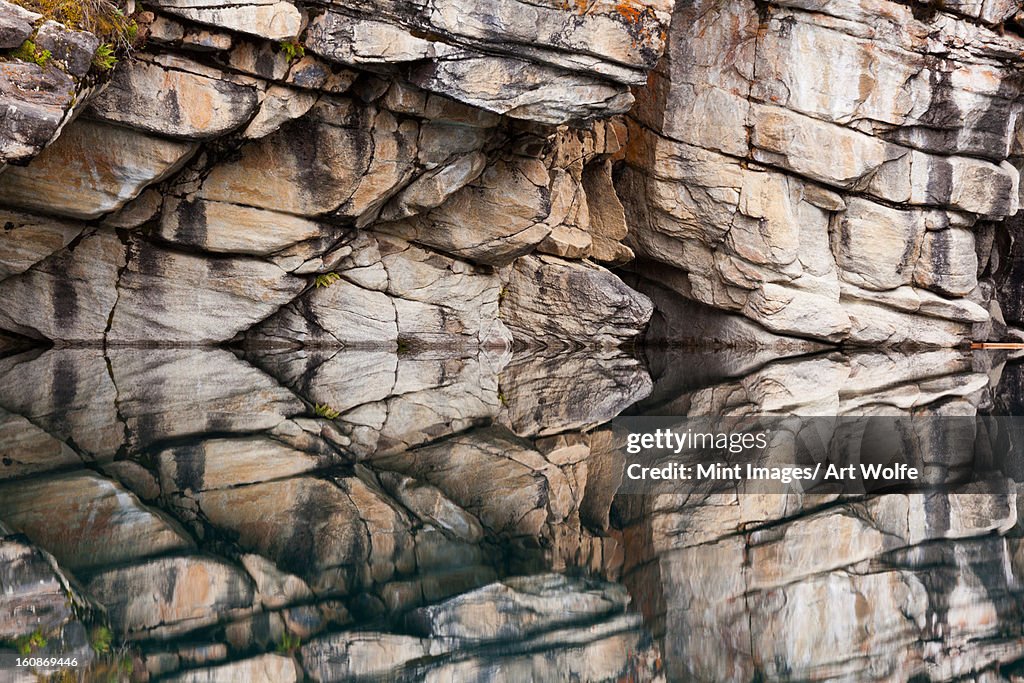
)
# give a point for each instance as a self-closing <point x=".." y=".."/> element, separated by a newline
<point x="361" y="175"/>
<point x="829" y="170"/>
<point x="788" y="171"/>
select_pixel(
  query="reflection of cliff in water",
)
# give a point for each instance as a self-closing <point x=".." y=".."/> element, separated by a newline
<point x="360" y="514"/>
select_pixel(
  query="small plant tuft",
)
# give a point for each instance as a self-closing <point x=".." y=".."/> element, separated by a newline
<point x="288" y="644"/>
<point x="327" y="279"/>
<point x="293" y="50"/>
<point x="101" y="639"/>
<point x="324" y="410"/>
<point x="119" y="33"/>
<point x="26" y="645"/>
<point x="104" y="59"/>
<point x="30" y="52"/>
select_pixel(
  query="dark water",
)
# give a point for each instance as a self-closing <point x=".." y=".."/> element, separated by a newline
<point x="365" y="515"/>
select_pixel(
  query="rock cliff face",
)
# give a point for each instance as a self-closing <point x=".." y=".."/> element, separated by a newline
<point x="369" y="174"/>
<point x="829" y="170"/>
<point x="378" y="172"/>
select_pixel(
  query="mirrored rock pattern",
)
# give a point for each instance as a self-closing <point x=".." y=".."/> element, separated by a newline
<point x="227" y="515"/>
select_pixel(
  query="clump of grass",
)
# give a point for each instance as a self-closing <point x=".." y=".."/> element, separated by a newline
<point x="288" y="644"/>
<point x="118" y="32"/>
<point x="326" y="280"/>
<point x="292" y="50"/>
<point x="324" y="410"/>
<point x="26" y="645"/>
<point x="30" y="52"/>
<point x="100" y="640"/>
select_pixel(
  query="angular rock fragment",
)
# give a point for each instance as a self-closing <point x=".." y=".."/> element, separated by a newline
<point x="37" y="102"/>
<point x="16" y="24"/>
<point x="552" y="302"/>
<point x="110" y="525"/>
<point x="175" y="97"/>
<point x="74" y="50"/>
<point x="91" y="170"/>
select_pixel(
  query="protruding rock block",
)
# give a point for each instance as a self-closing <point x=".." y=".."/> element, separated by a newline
<point x="553" y="302"/>
<point x="91" y="170"/>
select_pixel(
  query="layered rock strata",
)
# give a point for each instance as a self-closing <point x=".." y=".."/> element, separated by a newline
<point x="369" y="175"/>
<point x="418" y="519"/>
<point x="826" y="170"/>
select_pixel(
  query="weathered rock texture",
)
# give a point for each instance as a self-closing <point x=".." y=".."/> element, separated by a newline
<point x="823" y="169"/>
<point x="211" y="512"/>
<point x="359" y="175"/>
<point x="418" y="516"/>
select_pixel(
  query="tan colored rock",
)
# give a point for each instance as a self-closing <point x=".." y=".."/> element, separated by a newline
<point x="567" y="242"/>
<point x="948" y="262"/>
<point x="82" y="411"/>
<point x="521" y="89"/>
<point x="269" y="668"/>
<point x="432" y="189"/>
<point x="171" y="595"/>
<point x="27" y="239"/>
<point x="91" y="170"/>
<point x="104" y="524"/>
<point x="174" y="97"/>
<point x="26" y="449"/>
<point x="492" y="220"/>
<point x="168" y="394"/>
<point x="553" y="302"/>
<point x="279" y="105"/>
<point x="342" y="656"/>
<point x="161" y="290"/>
<point x="67" y="296"/>
<point x="331" y="550"/>
<point x="570" y="391"/>
<point x="221" y="463"/>
<point x="349" y="40"/>
<point x="270" y="19"/>
<point x="485" y="473"/>
<point x="232" y="228"/>
<point x="391" y="290"/>
<point x="878" y="247"/>
<point x="274" y="587"/>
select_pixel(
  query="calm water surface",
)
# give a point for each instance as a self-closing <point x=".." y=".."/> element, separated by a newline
<point x="366" y="515"/>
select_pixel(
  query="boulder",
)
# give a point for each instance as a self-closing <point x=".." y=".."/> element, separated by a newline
<point x="74" y="50"/>
<point x="160" y="291"/>
<point x="110" y="525"/>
